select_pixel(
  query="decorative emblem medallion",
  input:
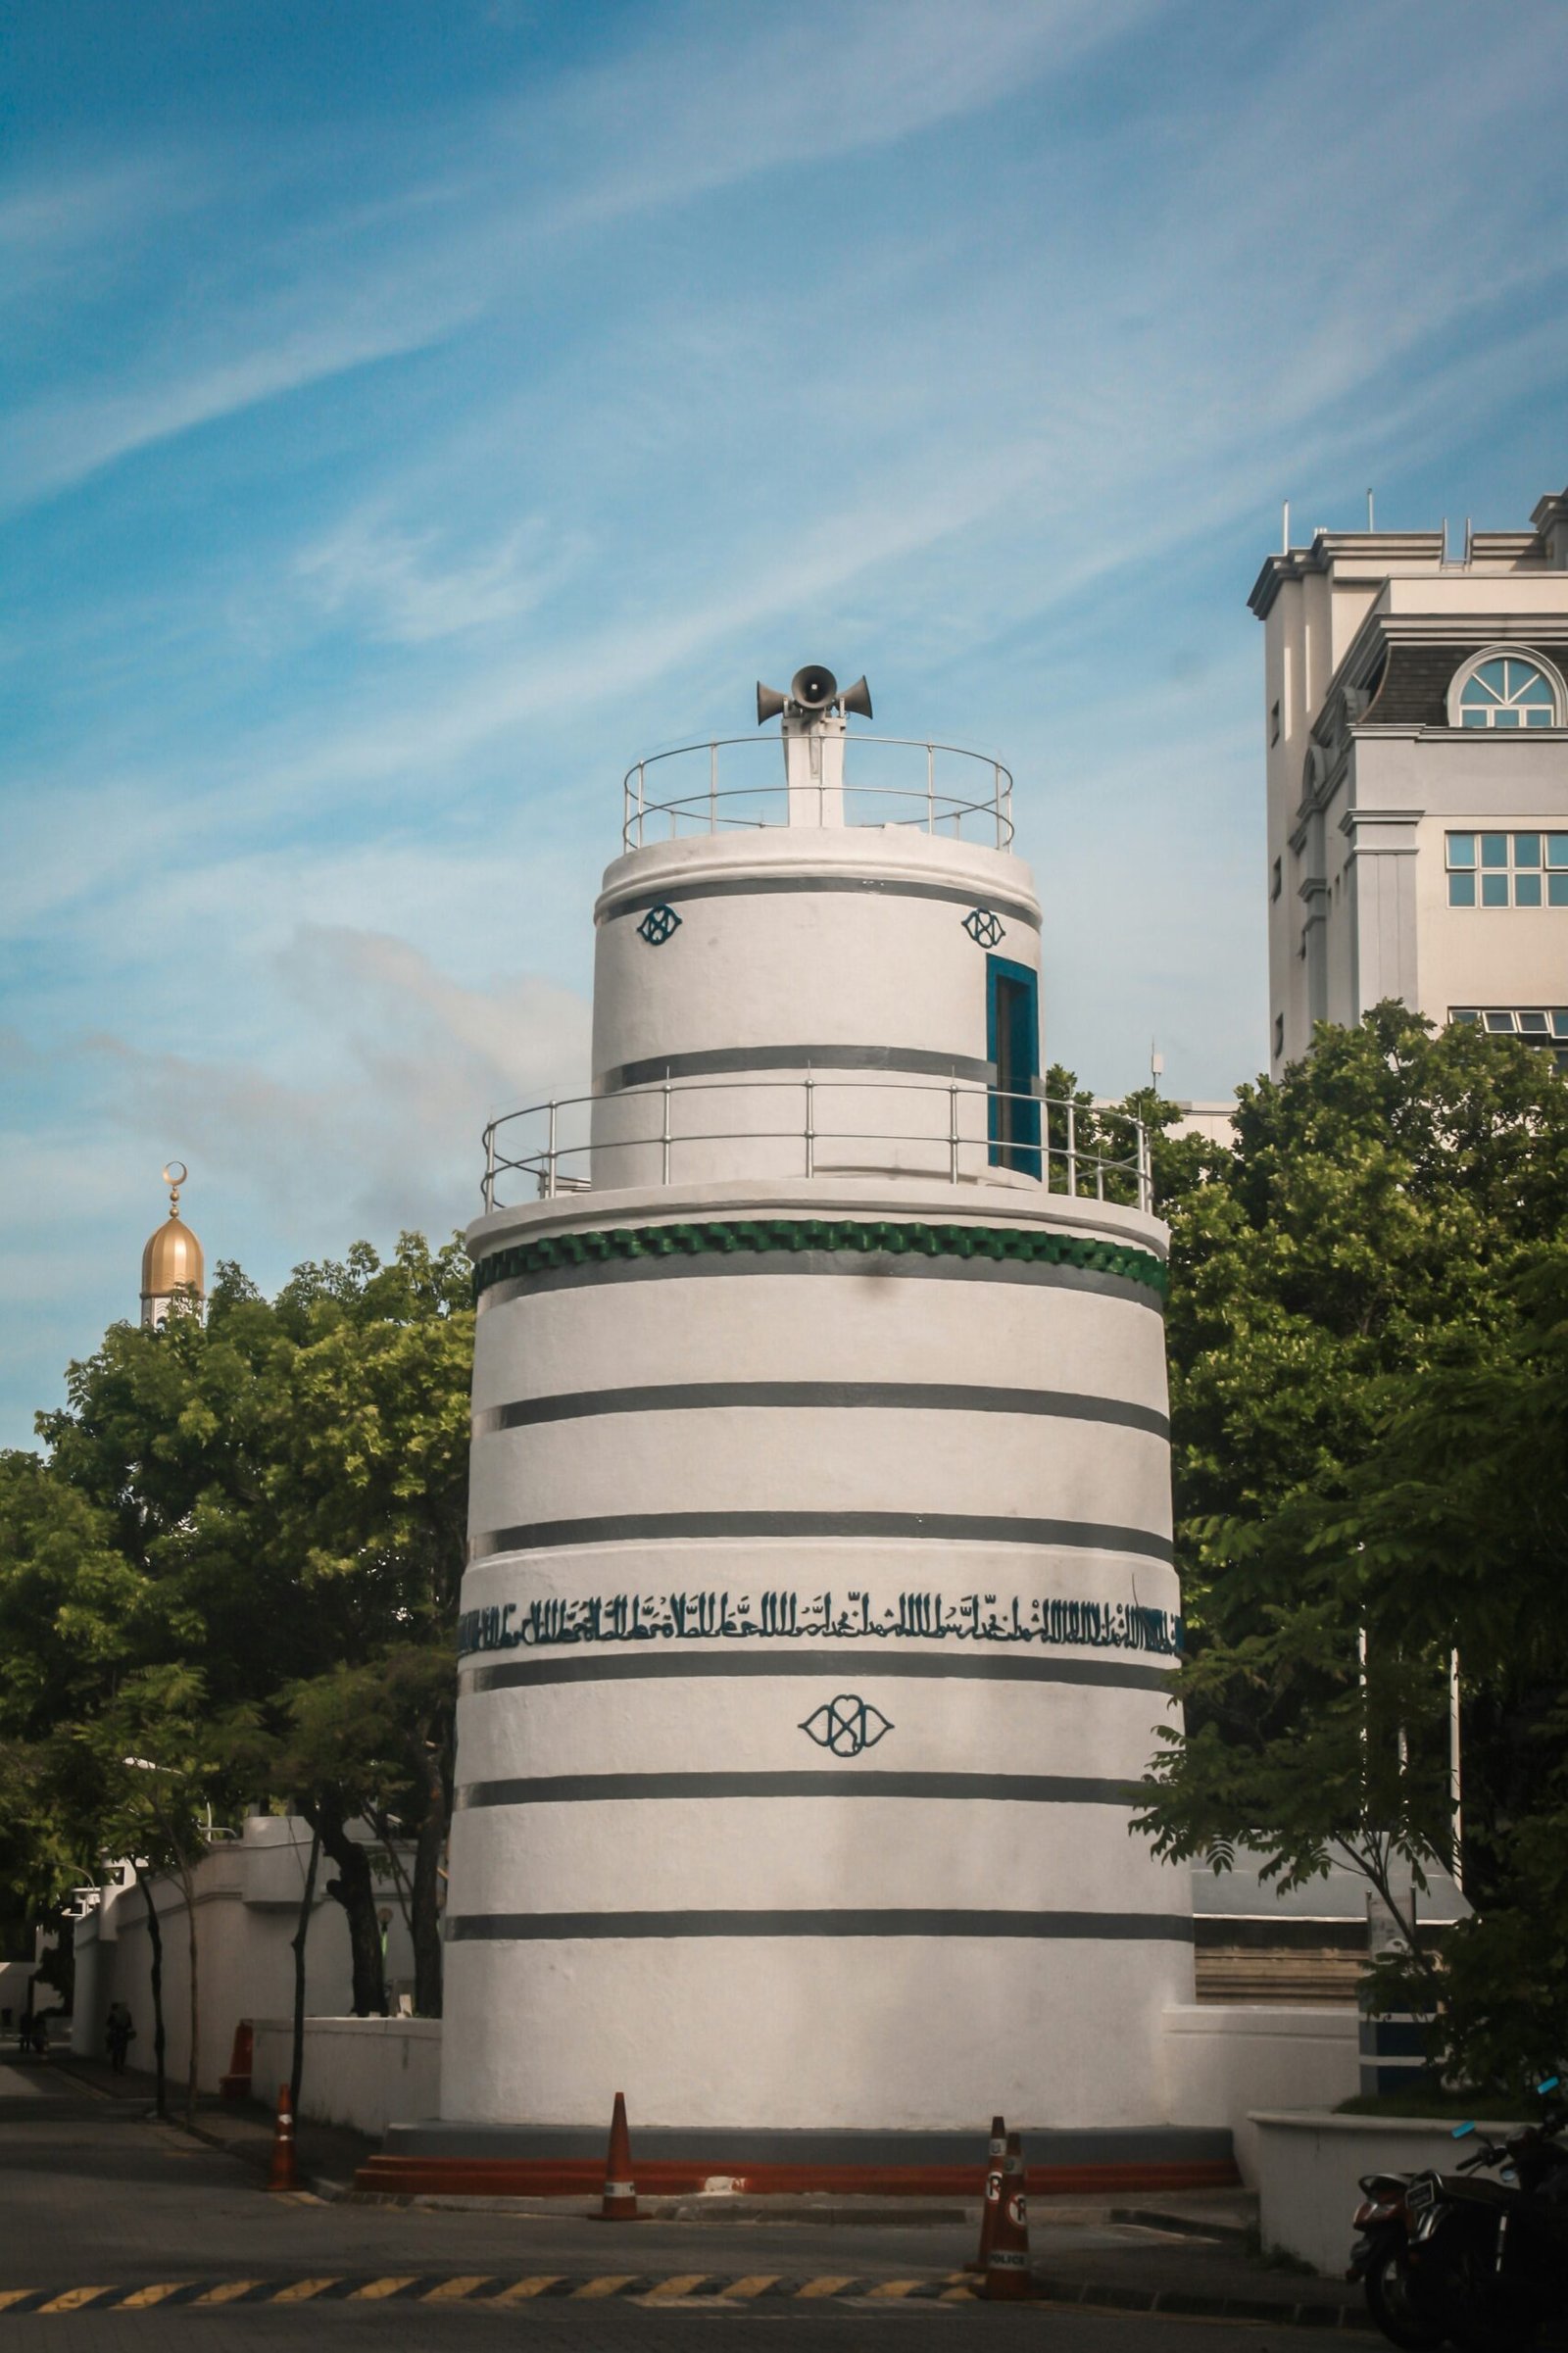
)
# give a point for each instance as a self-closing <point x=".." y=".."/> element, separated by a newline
<point x="846" y="1724"/>
<point x="982" y="927"/>
<point x="657" y="925"/>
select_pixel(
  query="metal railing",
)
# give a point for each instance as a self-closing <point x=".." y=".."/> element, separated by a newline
<point x="921" y="801"/>
<point x="970" y="1133"/>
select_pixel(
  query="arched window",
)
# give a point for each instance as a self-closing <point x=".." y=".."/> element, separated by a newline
<point x="1503" y="688"/>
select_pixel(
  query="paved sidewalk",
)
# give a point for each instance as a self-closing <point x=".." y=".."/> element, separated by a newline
<point x="328" y="2155"/>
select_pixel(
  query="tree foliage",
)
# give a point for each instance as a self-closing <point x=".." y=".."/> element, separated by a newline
<point x="273" y="1501"/>
<point x="1369" y="1317"/>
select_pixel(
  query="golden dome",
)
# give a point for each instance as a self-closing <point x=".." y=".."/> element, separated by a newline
<point x="173" y="1256"/>
<point x="172" y="1259"/>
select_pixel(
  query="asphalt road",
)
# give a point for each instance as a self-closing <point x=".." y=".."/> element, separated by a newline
<point x="93" y="2194"/>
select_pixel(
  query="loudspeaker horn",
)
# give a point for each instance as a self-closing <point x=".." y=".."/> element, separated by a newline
<point x="856" y="698"/>
<point x="813" y="688"/>
<point x="769" y="702"/>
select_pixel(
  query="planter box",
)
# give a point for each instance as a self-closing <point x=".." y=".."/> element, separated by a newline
<point x="1309" y="2162"/>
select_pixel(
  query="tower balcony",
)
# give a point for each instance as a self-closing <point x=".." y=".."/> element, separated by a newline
<point x="815" y="1125"/>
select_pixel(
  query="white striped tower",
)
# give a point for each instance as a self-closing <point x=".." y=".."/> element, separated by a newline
<point x="820" y="1603"/>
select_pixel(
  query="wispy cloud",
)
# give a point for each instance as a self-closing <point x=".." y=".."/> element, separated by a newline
<point x="721" y="99"/>
<point x="382" y="1128"/>
<point x="400" y="586"/>
<point x="710" y="100"/>
<point x="59" y="442"/>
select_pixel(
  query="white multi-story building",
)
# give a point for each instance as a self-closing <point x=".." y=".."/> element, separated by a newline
<point x="1416" y="715"/>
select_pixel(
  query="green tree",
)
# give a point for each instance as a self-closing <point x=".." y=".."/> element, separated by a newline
<point x="288" y="1480"/>
<point x="1360" y="1316"/>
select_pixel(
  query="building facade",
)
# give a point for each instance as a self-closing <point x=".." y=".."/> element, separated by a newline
<point x="821" y="1603"/>
<point x="1416" y="721"/>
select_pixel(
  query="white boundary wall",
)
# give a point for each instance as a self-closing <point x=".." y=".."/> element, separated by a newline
<point x="1221" y="2061"/>
<point x="1311" y="2165"/>
<point x="364" y="2072"/>
<point x="248" y="1893"/>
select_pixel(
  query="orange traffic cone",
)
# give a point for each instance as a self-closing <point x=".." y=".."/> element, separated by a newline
<point x="282" y="2174"/>
<point x="619" y="2203"/>
<point x="993" y="2194"/>
<point x="1007" y="2263"/>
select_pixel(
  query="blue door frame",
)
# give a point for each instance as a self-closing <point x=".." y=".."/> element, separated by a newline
<point x="1012" y="1049"/>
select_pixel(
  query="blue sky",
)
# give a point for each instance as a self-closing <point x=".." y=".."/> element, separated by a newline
<point x="412" y="414"/>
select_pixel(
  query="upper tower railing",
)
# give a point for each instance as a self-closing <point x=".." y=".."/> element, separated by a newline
<point x="816" y="1126"/>
<point x="886" y="780"/>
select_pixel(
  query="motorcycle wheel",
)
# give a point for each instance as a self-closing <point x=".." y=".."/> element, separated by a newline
<point x="1388" y="2299"/>
<point x="1477" y="2327"/>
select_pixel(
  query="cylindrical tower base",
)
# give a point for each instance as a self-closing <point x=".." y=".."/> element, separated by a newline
<point x="820" y="1614"/>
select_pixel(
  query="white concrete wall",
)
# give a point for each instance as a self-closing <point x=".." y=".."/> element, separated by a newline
<point x="1309" y="2165"/>
<point x="828" y="949"/>
<point x="247" y="1903"/>
<point x="1222" y="2061"/>
<point x="367" y="2073"/>
<point x="15" y="1978"/>
<point x="878" y="963"/>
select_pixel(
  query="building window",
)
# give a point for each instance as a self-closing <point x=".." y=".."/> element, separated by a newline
<point x="1279" y="1035"/>
<point x="1276" y="880"/>
<point x="1545" y="1027"/>
<point x="1507" y="869"/>
<point x="1274" y="726"/>
<point x="1498" y="688"/>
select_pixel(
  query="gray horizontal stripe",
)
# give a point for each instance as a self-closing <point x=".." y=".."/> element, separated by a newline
<point x="946" y="1397"/>
<point x="652" y="1666"/>
<point x="878" y="1264"/>
<point x="720" y="1059"/>
<point x="546" y="1926"/>
<point x="930" y="1527"/>
<point x="587" y="1789"/>
<point x="759" y="886"/>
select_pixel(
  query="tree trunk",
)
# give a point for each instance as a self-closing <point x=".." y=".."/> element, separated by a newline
<point x="355" y="1889"/>
<point x="426" y="1922"/>
<point x="188" y="1890"/>
<point x="296" y="2071"/>
<point x="155" y="1939"/>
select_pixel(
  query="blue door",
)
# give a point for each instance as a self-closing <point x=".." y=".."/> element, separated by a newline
<point x="1012" y="1048"/>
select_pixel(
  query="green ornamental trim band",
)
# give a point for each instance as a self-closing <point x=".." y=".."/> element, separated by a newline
<point x="696" y="1238"/>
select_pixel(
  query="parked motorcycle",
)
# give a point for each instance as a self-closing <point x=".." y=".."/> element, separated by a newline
<point x="1445" y="2258"/>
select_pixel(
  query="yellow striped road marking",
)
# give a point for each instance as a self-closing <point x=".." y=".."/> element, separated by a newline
<point x="374" y="2289"/>
<point x="752" y="2286"/>
<point x="141" y="2299"/>
<point x="450" y="2290"/>
<point x="680" y="2286"/>
<point x="825" y="2287"/>
<point x="12" y="2296"/>
<point x="225" y="2291"/>
<point x="610" y="2285"/>
<point x="521" y="2289"/>
<point x="958" y="2295"/>
<point x="74" y="2298"/>
<point x="894" y="2287"/>
<point x="300" y="2291"/>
